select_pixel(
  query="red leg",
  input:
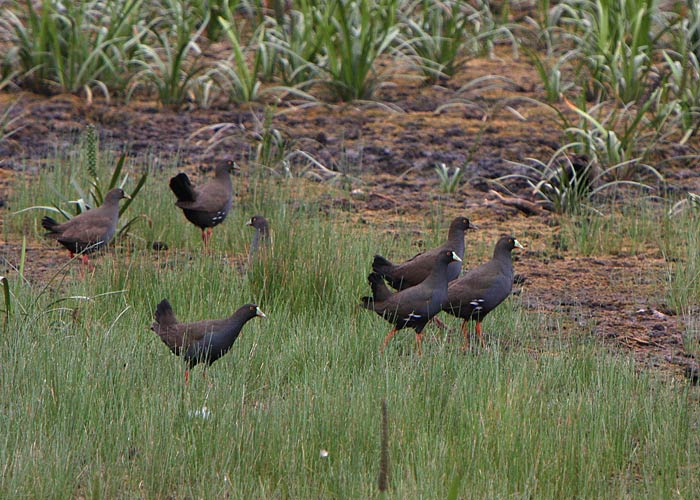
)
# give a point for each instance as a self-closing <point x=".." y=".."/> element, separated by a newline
<point x="478" y="332"/>
<point x="419" y="341"/>
<point x="187" y="376"/>
<point x="439" y="323"/>
<point x="389" y="336"/>
<point x="204" y="376"/>
<point x="84" y="259"/>
<point x="206" y="236"/>
<point x="465" y="333"/>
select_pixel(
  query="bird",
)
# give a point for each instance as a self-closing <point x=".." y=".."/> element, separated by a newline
<point x="415" y="306"/>
<point x="208" y="205"/>
<point x="202" y="341"/>
<point x="417" y="268"/>
<point x="261" y="238"/>
<point x="478" y="291"/>
<point x="90" y="230"/>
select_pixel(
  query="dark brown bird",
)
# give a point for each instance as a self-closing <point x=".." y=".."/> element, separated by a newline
<point x="202" y="341"/>
<point x="208" y="205"/>
<point x="261" y="238"/>
<point x="415" y="306"/>
<point x="89" y="230"/>
<point x="417" y="268"/>
<point x="476" y="293"/>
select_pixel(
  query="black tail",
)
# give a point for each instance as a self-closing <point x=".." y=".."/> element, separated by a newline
<point x="182" y="187"/>
<point x="49" y="224"/>
<point x="380" y="292"/>
<point x="367" y="303"/>
<point x="164" y="314"/>
<point x="382" y="266"/>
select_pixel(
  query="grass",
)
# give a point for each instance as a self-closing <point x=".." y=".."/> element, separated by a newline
<point x="102" y="411"/>
<point x="69" y="49"/>
<point x="95" y="404"/>
<point x="636" y="229"/>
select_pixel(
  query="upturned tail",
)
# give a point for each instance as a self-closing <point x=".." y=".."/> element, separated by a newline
<point x="164" y="315"/>
<point x="382" y="266"/>
<point x="380" y="292"/>
<point x="182" y="187"/>
<point x="49" y="224"/>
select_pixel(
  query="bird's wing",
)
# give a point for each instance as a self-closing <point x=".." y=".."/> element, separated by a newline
<point x="421" y="263"/>
<point x="82" y="228"/>
<point x="476" y="285"/>
<point x="213" y="196"/>
<point x="172" y="335"/>
<point x="409" y="302"/>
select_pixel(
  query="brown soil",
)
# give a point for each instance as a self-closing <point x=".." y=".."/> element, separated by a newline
<point x="392" y="154"/>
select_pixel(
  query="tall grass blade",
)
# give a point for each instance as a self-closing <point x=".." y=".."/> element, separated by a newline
<point x="6" y="296"/>
<point x="384" y="466"/>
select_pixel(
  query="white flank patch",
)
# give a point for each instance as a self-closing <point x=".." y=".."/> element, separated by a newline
<point x="204" y="413"/>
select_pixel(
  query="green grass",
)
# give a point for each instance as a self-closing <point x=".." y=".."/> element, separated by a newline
<point x="629" y="229"/>
<point x="94" y="404"/>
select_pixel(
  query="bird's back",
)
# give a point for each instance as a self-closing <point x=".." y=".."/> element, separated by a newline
<point x="93" y="228"/>
<point x="416" y="269"/>
<point x="215" y="339"/>
<point x="480" y="289"/>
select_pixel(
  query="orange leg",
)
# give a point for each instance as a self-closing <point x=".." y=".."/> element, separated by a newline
<point x="206" y="237"/>
<point x="419" y="341"/>
<point x="389" y="336"/>
<point x="478" y="332"/>
<point x="465" y="333"/>
<point x="438" y="323"/>
<point x="204" y="376"/>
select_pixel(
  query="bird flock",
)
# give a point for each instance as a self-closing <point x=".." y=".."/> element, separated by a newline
<point x="424" y="285"/>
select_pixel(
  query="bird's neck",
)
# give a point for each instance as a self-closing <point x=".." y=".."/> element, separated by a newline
<point x="223" y="176"/>
<point x="503" y="258"/>
<point x="237" y="320"/>
<point x="437" y="275"/>
<point x="111" y="204"/>
<point x="455" y="239"/>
